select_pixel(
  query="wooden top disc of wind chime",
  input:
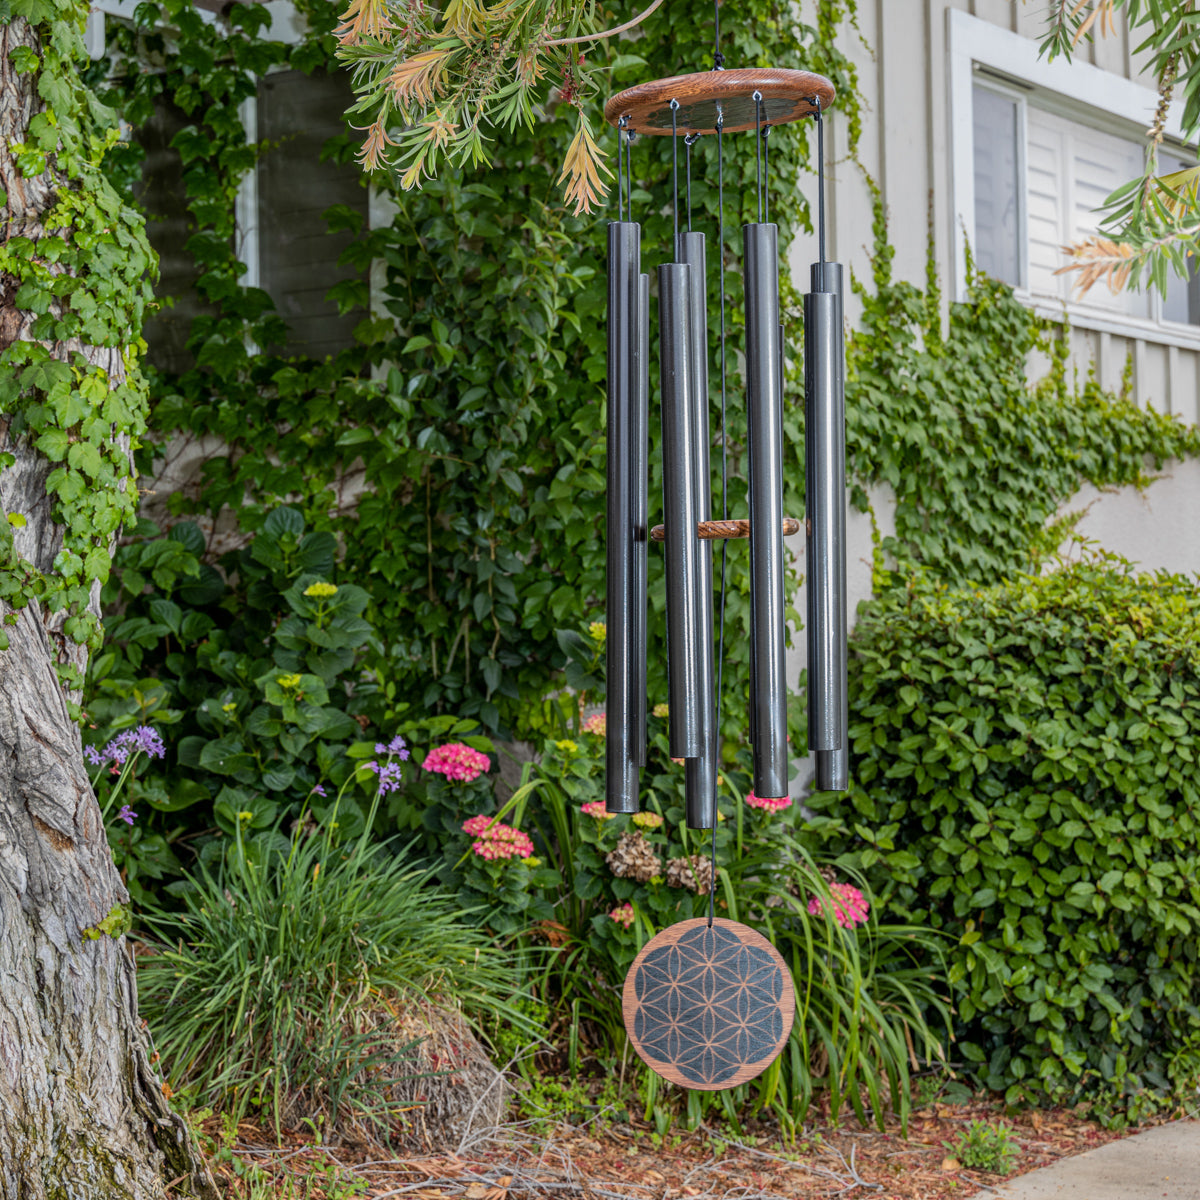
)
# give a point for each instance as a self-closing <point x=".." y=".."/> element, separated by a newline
<point x="786" y="96"/>
<point x="709" y="1007"/>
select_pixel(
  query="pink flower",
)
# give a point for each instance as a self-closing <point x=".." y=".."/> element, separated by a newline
<point x="597" y="723"/>
<point x="623" y="914"/>
<point x="597" y="809"/>
<point x="457" y="761"/>
<point x="770" y="803"/>
<point x="496" y="840"/>
<point x="850" y="906"/>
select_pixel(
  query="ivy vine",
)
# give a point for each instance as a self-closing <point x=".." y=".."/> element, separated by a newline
<point x="76" y="278"/>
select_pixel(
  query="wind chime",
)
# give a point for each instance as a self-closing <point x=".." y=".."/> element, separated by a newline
<point x="708" y="1003"/>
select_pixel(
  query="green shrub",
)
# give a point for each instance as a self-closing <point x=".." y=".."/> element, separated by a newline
<point x="253" y="675"/>
<point x="1026" y="781"/>
<point x="278" y="986"/>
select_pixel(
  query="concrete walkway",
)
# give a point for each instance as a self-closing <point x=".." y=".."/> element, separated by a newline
<point x="1162" y="1162"/>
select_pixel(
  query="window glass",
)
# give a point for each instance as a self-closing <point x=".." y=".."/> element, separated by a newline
<point x="161" y="194"/>
<point x="298" y="257"/>
<point x="997" y="211"/>
<point x="1182" y="301"/>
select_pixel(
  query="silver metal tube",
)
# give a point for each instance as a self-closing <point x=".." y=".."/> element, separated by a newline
<point x="700" y="773"/>
<point x="641" y="517"/>
<point x="621" y="771"/>
<point x="682" y="546"/>
<point x="825" y="580"/>
<point x="768" y="700"/>
<point x="833" y="766"/>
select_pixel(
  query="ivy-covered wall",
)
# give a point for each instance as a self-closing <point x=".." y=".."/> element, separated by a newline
<point x="472" y="404"/>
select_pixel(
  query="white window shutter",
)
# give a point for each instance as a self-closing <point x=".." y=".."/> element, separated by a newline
<point x="1071" y="169"/>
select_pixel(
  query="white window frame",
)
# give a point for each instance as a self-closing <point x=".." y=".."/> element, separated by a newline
<point x="1077" y="90"/>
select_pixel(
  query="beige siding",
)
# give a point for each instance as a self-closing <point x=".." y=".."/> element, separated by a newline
<point x="906" y="149"/>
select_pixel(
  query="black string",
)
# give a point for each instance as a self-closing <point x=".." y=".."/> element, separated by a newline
<point x="689" y="142"/>
<point x="718" y="57"/>
<point x="820" y="177"/>
<point x="675" y="175"/>
<point x="620" y="172"/>
<point x="712" y="887"/>
<point x="766" y="144"/>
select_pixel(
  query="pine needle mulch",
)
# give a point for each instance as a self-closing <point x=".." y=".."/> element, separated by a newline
<point x="609" y="1160"/>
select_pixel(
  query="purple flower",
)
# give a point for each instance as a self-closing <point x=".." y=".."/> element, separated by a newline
<point x="389" y="776"/>
<point x="126" y="814"/>
<point x="318" y="790"/>
<point x="397" y="746"/>
<point x="143" y="739"/>
<point x="93" y="755"/>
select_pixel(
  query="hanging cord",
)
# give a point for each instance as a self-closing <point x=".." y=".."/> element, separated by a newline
<point x="712" y="888"/>
<point x="718" y="57"/>
<point x="766" y="145"/>
<point x="675" y="176"/>
<point x="758" y="171"/>
<point x="689" y="142"/>
<point x="820" y="177"/>
<point x="621" y="172"/>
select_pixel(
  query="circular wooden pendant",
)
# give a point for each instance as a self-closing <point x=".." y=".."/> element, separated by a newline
<point x="786" y="96"/>
<point x="708" y="1008"/>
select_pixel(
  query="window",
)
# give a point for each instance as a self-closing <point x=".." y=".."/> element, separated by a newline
<point x="1037" y="146"/>
<point x="1039" y="179"/>
<point x="282" y="235"/>
<point x="297" y="255"/>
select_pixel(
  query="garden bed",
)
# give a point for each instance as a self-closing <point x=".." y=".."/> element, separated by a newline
<point x="626" y="1160"/>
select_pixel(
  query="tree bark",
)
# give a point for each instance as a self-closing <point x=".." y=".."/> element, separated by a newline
<point x="83" y="1114"/>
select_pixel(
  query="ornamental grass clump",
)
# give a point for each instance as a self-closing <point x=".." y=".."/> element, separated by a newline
<point x="287" y="988"/>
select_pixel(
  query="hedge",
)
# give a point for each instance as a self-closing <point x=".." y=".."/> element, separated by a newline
<point x="1026" y="782"/>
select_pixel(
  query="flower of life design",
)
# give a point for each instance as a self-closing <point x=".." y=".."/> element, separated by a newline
<point x="708" y="1005"/>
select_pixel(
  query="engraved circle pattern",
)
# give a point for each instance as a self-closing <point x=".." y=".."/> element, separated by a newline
<point x="709" y="1006"/>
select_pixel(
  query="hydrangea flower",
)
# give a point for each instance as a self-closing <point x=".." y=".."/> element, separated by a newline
<point x="597" y="723"/>
<point x="127" y="815"/>
<point x="457" y="761"/>
<point x="770" y="803"/>
<point x="288" y="681"/>
<point x="390" y="778"/>
<point x="647" y="820"/>
<point x="850" y="906"/>
<point x="597" y="809"/>
<point x="567" y="746"/>
<point x="397" y="747"/>
<point x="598" y="630"/>
<point x="623" y="914"/>
<point x="495" y="840"/>
<point x="660" y="710"/>
<point x="321" y="591"/>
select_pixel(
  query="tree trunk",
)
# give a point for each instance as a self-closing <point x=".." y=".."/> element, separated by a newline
<point x="82" y="1112"/>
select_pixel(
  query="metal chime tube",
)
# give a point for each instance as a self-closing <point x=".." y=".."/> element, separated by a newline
<point x="682" y="546"/>
<point x="825" y="401"/>
<point x="641" y="514"/>
<point x="833" y="766"/>
<point x="700" y="787"/>
<point x="768" y="699"/>
<point x="621" y="780"/>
